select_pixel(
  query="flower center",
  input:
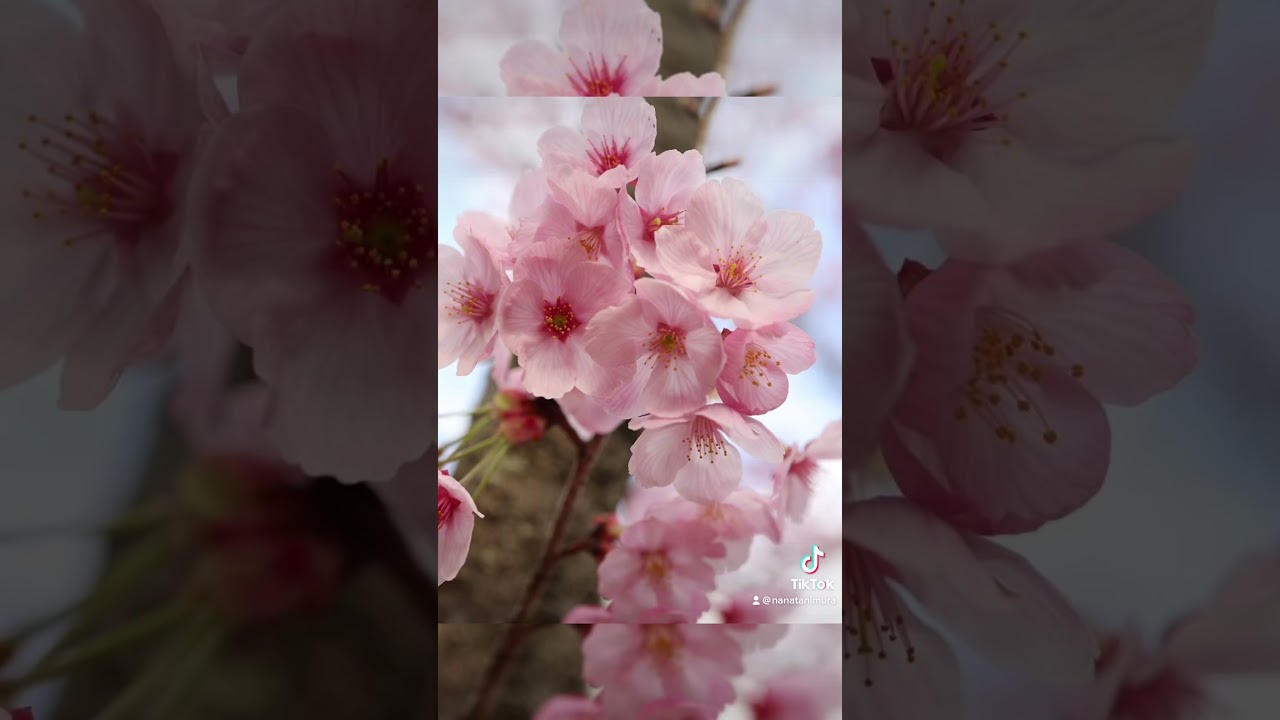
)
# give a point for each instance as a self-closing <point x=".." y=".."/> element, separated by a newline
<point x="755" y="362"/>
<point x="873" y="617"/>
<point x="942" y="81"/>
<point x="704" y="440"/>
<point x="469" y="300"/>
<point x="382" y="232"/>
<point x="97" y="169"/>
<point x="656" y="222"/>
<point x="662" y="642"/>
<point x="559" y="320"/>
<point x="655" y="566"/>
<point x="1008" y="361"/>
<point x="445" y="505"/>
<point x="591" y="240"/>
<point x="665" y="345"/>
<point x="608" y="155"/>
<point x="597" y="79"/>
<point x="738" y="273"/>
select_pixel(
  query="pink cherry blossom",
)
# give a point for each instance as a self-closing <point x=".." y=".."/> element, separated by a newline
<point x="875" y="328"/>
<point x="1237" y="632"/>
<point x="587" y="416"/>
<point x="617" y="133"/>
<point x="809" y="694"/>
<point x="583" y="217"/>
<point x="608" y="47"/>
<point x="665" y="346"/>
<point x="639" y="664"/>
<point x="661" y="565"/>
<point x="742" y="263"/>
<point x="1015" y="126"/>
<point x="454" y="509"/>
<point x="691" y="453"/>
<point x="736" y="521"/>
<point x="755" y="626"/>
<point x="506" y="240"/>
<point x="1001" y="427"/>
<point x="312" y="245"/>
<point x="469" y="285"/>
<point x="754" y="379"/>
<point x="102" y="128"/>
<point x="570" y="707"/>
<point x="896" y="666"/>
<point x="793" y="480"/>
<point x="665" y="185"/>
<point x="543" y="317"/>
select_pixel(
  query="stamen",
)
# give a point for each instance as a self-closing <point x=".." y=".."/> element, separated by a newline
<point x="445" y="505"/>
<point x="598" y="79"/>
<point x="666" y="344"/>
<point x="382" y="232"/>
<point x="470" y="301"/>
<point x="874" y="615"/>
<point x="738" y="273"/>
<point x="559" y="319"/>
<point x="704" y="439"/>
<point x="755" y="362"/>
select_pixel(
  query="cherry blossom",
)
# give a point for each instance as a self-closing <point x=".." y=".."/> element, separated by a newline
<point x="543" y="316"/>
<point x="1012" y="127"/>
<point x="470" y="284"/>
<point x="742" y="263"/>
<point x="1001" y="428"/>
<point x="793" y="480"/>
<point x="898" y="667"/>
<point x="665" y="185"/>
<point x="570" y="707"/>
<point x="617" y="133"/>
<point x="691" y="453"/>
<point x="735" y="521"/>
<point x="661" y="565"/>
<point x="639" y="664"/>
<point x="583" y="217"/>
<point x="665" y="346"/>
<point x="608" y="47"/>
<point x="454" y="509"/>
<point x="754" y="379"/>
<point x="104" y="138"/>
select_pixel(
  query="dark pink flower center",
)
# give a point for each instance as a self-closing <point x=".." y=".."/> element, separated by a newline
<point x="446" y="504"/>
<point x="468" y="301"/>
<point x="1009" y="361"/>
<point x="666" y="344"/>
<point x="101" y="170"/>
<point x="382" y="232"/>
<point x="597" y="78"/>
<point x="663" y="642"/>
<point x="873" y="615"/>
<point x="738" y="272"/>
<point x="942" y="77"/>
<point x="704" y="440"/>
<point x="559" y="320"/>
<point x="656" y="222"/>
<point x="608" y="155"/>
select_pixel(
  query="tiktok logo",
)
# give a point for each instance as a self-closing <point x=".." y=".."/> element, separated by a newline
<point x="809" y="563"/>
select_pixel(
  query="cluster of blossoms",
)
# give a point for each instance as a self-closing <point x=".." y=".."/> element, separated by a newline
<point x="1021" y="134"/>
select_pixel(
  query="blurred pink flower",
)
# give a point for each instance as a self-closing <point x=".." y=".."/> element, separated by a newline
<point x="691" y="453"/>
<point x="639" y="664"/>
<point x="469" y="285"/>
<point x="742" y="263"/>
<point x="897" y="667"/>
<point x="570" y="707"/>
<point x="755" y="625"/>
<point x="809" y="694"/>
<point x="754" y="379"/>
<point x="454" y="509"/>
<point x="1237" y="632"/>
<point x="616" y="134"/>
<point x="665" y="184"/>
<point x="1012" y="127"/>
<point x="609" y="47"/>
<point x="1001" y="427"/>
<point x="312" y="245"/>
<point x="736" y="521"/>
<point x="660" y="565"/>
<point x="793" y="480"/>
<point x="105" y="128"/>
<point x="543" y="315"/>
<point x="663" y="346"/>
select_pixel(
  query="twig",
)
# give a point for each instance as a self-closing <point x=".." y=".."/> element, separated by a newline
<point x="519" y="629"/>
<point x="723" y="165"/>
<point x="729" y="28"/>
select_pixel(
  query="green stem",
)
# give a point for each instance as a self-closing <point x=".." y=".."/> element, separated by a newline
<point x="471" y="450"/>
<point x="154" y="680"/>
<point x="492" y="463"/>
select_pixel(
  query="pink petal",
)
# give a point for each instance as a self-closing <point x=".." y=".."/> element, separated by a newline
<point x="587" y="416"/>
<point x="720" y="214"/>
<point x="561" y="146"/>
<point x="659" y="454"/>
<point x="667" y="181"/>
<point x="828" y="445"/>
<point x="748" y="432"/>
<point x="587" y="615"/>
<point x="687" y="85"/>
<point x="593" y="202"/>
<point x="684" y="257"/>
<point x="615" y="334"/>
<point x="930" y="687"/>
<point x="789" y="252"/>
<point x="756" y="309"/>
<point x="711" y="477"/>
<point x="551" y="367"/>
<point x="532" y="68"/>
<point x="626" y="121"/>
<point x="1129" y="329"/>
<point x="613" y="33"/>
<point x="570" y="707"/>
<point x="1238" y="630"/>
<point x="684" y="385"/>
<point x="750" y="388"/>
<point x="592" y="287"/>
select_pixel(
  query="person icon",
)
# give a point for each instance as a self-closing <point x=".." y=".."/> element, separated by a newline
<point x="755" y="599"/>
